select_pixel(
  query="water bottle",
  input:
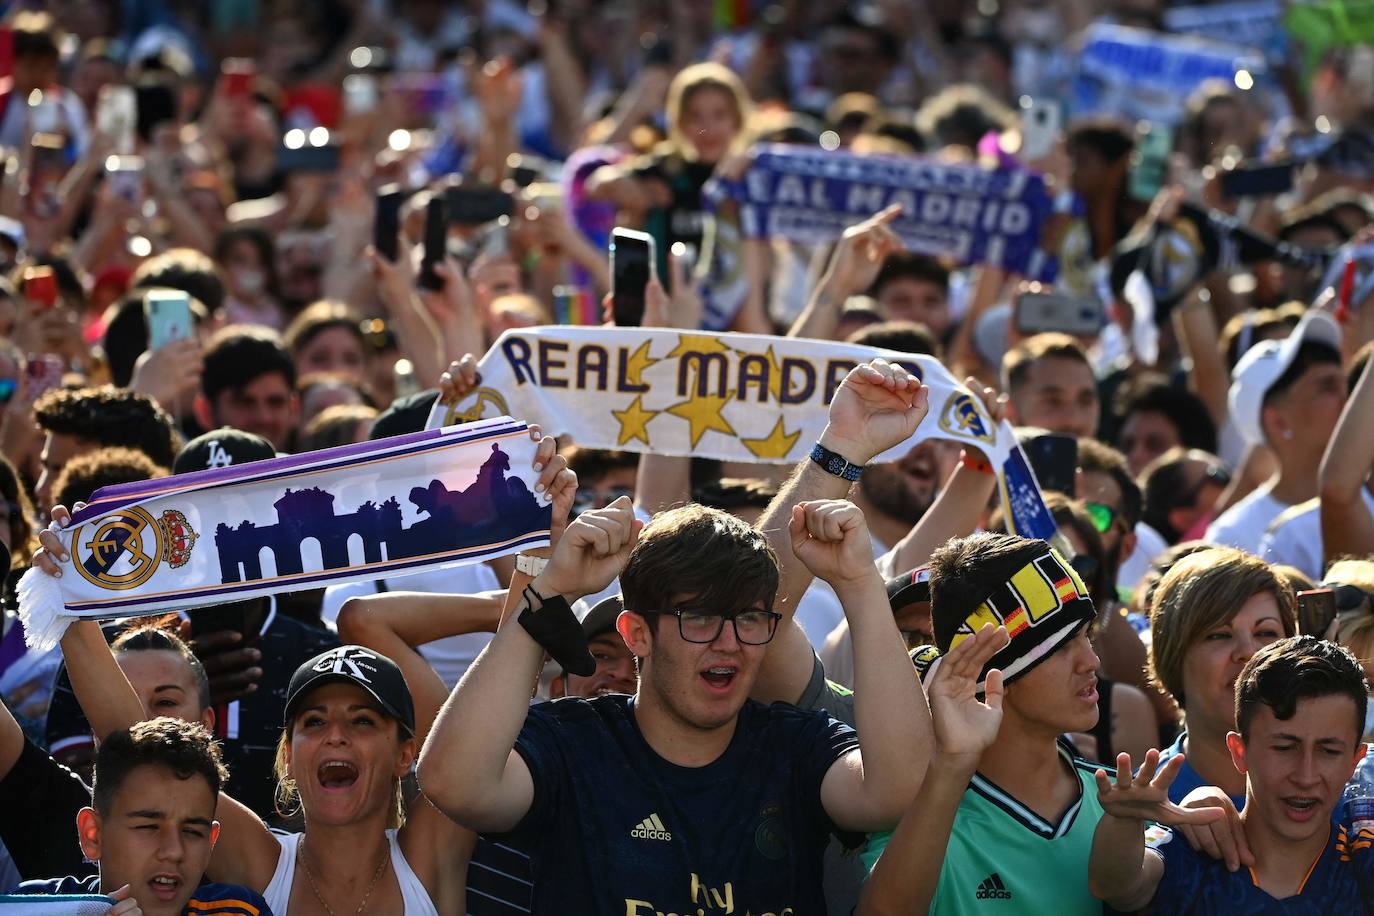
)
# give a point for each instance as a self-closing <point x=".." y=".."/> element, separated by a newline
<point x="1359" y="797"/>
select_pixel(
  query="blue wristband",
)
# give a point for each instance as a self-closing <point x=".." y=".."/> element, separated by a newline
<point x="835" y="463"/>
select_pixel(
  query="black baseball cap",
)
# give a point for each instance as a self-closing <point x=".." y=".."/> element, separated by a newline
<point x="221" y="448"/>
<point x="602" y="616"/>
<point x="909" y="588"/>
<point x="373" y="672"/>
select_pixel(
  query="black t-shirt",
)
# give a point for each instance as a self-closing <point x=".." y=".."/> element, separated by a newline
<point x="249" y="728"/>
<point x="39" y="801"/>
<point x="622" y="830"/>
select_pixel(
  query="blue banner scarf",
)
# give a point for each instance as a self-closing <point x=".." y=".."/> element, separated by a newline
<point x="1254" y="24"/>
<point x="1135" y="74"/>
<point x="393" y="507"/>
<point x="971" y="214"/>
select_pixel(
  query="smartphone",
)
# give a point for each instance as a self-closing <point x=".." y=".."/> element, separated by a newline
<point x="116" y="116"/>
<point x="44" y="374"/>
<point x="1054" y="459"/>
<point x="216" y="619"/>
<point x="360" y="95"/>
<point x="236" y="76"/>
<point x="436" y="242"/>
<point x="386" y="227"/>
<point x="308" y="158"/>
<point x="469" y="206"/>
<point x="156" y="102"/>
<point x="1080" y="316"/>
<point x="168" y="313"/>
<point x="1042" y="124"/>
<point x="1261" y="181"/>
<point x="632" y="260"/>
<point x="40" y="286"/>
<point x="1150" y="160"/>
<point x="1316" y="610"/>
<point x="125" y="175"/>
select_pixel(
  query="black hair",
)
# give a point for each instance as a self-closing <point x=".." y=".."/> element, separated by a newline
<point x="35" y="35"/>
<point x="902" y="336"/>
<point x="1310" y="353"/>
<point x="261" y="240"/>
<point x="1107" y="139"/>
<point x="110" y="416"/>
<point x="1183" y="409"/>
<point x="1299" y="668"/>
<point x="185" y="748"/>
<point x="239" y="354"/>
<point x="965" y="570"/>
<point x="83" y="475"/>
<point x="906" y="265"/>
<point x="1094" y="455"/>
<point x="183" y="269"/>
<point x="144" y="637"/>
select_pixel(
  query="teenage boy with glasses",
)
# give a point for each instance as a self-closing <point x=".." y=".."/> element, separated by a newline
<point x="688" y="796"/>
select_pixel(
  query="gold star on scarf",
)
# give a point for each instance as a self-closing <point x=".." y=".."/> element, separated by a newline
<point x="703" y="413"/>
<point x="697" y="343"/>
<point x="634" y="421"/>
<point x="636" y="364"/>
<point x="775" y="445"/>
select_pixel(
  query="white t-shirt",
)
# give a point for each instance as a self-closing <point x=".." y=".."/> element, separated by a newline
<point x="450" y="656"/>
<point x="1244" y="524"/>
<point x="1295" y="538"/>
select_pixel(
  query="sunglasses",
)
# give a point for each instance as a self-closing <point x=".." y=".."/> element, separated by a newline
<point x="8" y="386"/>
<point x="1215" y="473"/>
<point x="1349" y="597"/>
<point x="1103" y="516"/>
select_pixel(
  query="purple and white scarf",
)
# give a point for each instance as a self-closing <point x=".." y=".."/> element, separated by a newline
<point x="433" y="499"/>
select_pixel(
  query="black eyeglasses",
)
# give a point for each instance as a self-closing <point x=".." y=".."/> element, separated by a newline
<point x="753" y="627"/>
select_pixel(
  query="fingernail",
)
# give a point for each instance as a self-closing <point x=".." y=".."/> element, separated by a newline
<point x="539" y="466"/>
<point x="539" y="488"/>
<point x="64" y="557"/>
<point x="58" y="574"/>
<point x="255" y="672"/>
<point x="235" y="635"/>
<point x="255" y="653"/>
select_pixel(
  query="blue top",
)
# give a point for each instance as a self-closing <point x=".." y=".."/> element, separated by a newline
<point x="1341" y="880"/>
<point x="208" y="899"/>
<point x="1188" y="778"/>
<point x="615" y="828"/>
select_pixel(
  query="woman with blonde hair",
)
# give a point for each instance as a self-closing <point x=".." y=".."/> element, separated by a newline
<point x="708" y="108"/>
<point x="1353" y="582"/>
<point x="1210" y="613"/>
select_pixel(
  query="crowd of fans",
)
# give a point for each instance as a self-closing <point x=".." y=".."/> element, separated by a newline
<point x="1171" y="734"/>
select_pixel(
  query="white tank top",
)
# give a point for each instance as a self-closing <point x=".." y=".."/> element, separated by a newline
<point x="278" y="893"/>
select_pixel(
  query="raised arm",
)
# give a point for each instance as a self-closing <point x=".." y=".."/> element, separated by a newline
<point x="877" y="406"/>
<point x="484" y="784"/>
<point x="1347" y="527"/>
<point x="858" y="256"/>
<point x="867" y="790"/>
<point x="905" y="878"/>
<point x="1121" y="871"/>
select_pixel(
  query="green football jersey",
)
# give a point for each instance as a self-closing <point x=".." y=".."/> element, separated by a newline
<point x="1003" y="857"/>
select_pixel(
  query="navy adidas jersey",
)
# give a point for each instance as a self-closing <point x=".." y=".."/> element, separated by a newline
<point x="208" y="899"/>
<point x="1341" y="880"/>
<point x="619" y="829"/>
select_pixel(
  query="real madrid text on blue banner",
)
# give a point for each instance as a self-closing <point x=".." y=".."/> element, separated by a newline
<point x="972" y="214"/>
<point x="437" y="498"/>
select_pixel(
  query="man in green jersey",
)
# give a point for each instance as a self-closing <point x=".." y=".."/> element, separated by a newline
<point x="1006" y="814"/>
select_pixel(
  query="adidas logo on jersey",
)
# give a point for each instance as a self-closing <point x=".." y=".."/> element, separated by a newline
<point x="992" y="888"/>
<point x="651" y="828"/>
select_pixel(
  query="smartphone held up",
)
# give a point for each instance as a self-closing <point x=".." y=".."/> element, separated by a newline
<point x="632" y="266"/>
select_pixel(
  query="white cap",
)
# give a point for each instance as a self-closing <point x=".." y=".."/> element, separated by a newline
<point x="1264" y="363"/>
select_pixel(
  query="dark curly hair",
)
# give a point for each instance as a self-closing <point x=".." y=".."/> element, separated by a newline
<point x="185" y="748"/>
<point x="110" y="416"/>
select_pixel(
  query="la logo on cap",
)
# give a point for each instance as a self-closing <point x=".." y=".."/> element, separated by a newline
<point x="219" y="458"/>
<point x="346" y="657"/>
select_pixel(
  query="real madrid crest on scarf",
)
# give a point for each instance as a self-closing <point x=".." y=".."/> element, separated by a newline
<point x="397" y="506"/>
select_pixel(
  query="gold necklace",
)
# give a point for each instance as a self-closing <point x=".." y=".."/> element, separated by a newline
<point x="381" y="867"/>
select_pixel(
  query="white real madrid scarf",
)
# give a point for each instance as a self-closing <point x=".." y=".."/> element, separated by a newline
<point x="731" y="397"/>
<point x="428" y="500"/>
